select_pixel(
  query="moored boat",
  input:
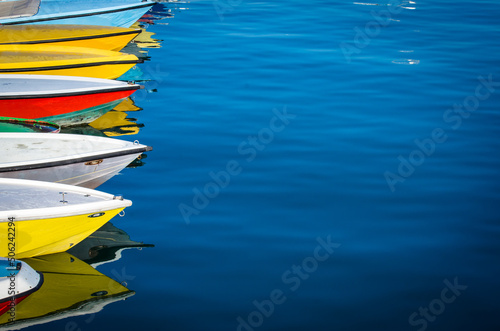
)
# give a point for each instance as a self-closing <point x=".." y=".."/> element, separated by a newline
<point x="122" y="13"/>
<point x="100" y="37"/>
<point x="64" y="60"/>
<point x="86" y="161"/>
<point x="18" y="280"/>
<point x="41" y="218"/>
<point x="70" y="288"/>
<point x="11" y="124"/>
<point x="64" y="100"/>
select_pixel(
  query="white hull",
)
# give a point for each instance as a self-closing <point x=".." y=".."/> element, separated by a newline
<point x="80" y="160"/>
<point x="84" y="174"/>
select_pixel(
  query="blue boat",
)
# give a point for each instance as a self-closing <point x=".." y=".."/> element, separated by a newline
<point x="120" y="13"/>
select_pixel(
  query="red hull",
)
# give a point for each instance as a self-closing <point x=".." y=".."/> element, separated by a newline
<point x="52" y="106"/>
<point x="6" y="305"/>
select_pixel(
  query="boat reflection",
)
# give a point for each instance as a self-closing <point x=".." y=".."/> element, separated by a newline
<point x="105" y="245"/>
<point x="71" y="288"/>
<point x="112" y="124"/>
<point x="116" y="123"/>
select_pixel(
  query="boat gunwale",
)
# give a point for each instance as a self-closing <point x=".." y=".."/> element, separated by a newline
<point x="94" y="36"/>
<point x="69" y="93"/>
<point x="126" y="147"/>
<point x="71" y="66"/>
<point x="69" y="210"/>
<point x="109" y="203"/>
<point x="22" y="166"/>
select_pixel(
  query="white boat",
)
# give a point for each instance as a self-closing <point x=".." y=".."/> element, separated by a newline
<point x="18" y="8"/>
<point x="86" y="161"/>
<point x="38" y="218"/>
<point x="17" y="281"/>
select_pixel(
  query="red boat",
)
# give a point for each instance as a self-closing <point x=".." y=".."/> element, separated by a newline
<point x="64" y="100"/>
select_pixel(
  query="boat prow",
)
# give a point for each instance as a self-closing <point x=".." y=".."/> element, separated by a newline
<point x="50" y="218"/>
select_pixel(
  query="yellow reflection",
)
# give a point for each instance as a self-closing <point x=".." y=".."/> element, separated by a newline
<point x="71" y="287"/>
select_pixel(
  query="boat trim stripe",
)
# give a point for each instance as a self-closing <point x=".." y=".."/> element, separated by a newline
<point x="71" y="66"/>
<point x="29" y="42"/>
<point x="77" y="160"/>
<point x="71" y="94"/>
<point x="29" y="292"/>
<point x="79" y="15"/>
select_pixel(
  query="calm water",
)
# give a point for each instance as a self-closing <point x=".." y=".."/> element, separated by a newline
<point x="317" y="165"/>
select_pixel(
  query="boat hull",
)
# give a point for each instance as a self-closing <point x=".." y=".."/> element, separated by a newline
<point x="100" y="37"/>
<point x="51" y="235"/>
<point x="71" y="288"/>
<point x="67" y="100"/>
<point x="107" y="70"/>
<point x="63" y="110"/>
<point x="88" y="174"/>
<point x="64" y="61"/>
<point x="82" y="116"/>
<point x="11" y="124"/>
<point x="85" y="161"/>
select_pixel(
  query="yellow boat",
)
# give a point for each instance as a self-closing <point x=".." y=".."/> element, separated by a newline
<point x="70" y="288"/>
<point x="38" y="218"/>
<point x="93" y="36"/>
<point x="64" y="61"/>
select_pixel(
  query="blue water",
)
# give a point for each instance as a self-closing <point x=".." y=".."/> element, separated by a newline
<point x="359" y="87"/>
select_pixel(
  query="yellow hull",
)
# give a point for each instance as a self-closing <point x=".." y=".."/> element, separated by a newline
<point x="68" y="284"/>
<point x="100" y="37"/>
<point x="65" y="61"/>
<point x="46" y="236"/>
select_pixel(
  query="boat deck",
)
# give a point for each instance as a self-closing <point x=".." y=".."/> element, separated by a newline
<point x="16" y="197"/>
<point x="48" y="147"/>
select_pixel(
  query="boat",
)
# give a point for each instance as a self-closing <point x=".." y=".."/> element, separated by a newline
<point x="11" y="124"/>
<point x="100" y="37"/>
<point x="18" y="280"/>
<point x="18" y="8"/>
<point x="86" y="161"/>
<point x="120" y="13"/>
<point x="105" y="245"/>
<point x="64" y="100"/>
<point x="70" y="288"/>
<point x="41" y="218"/>
<point x="64" y="60"/>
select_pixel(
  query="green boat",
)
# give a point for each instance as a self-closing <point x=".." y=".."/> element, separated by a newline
<point x="11" y="124"/>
